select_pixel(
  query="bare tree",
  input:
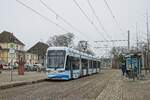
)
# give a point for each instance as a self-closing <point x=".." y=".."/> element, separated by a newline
<point x="117" y="55"/>
<point x="61" y="40"/>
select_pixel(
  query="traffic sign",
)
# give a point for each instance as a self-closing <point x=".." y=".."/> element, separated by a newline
<point x="11" y="50"/>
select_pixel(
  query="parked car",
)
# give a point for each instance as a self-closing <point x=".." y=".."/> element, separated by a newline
<point x="30" y="67"/>
<point x="6" y="67"/>
<point x="39" y="67"/>
<point x="15" y="66"/>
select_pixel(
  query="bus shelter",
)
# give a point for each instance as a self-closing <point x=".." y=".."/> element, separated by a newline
<point x="133" y="65"/>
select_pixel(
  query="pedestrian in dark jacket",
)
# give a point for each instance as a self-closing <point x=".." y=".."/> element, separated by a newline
<point x="123" y="68"/>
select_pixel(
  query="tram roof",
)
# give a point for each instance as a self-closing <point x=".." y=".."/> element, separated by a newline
<point x="57" y="48"/>
<point x="72" y="50"/>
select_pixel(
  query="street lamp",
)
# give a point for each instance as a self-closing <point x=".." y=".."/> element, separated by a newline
<point x="0" y="55"/>
<point x="0" y="52"/>
<point x="12" y="52"/>
<point x="0" y="58"/>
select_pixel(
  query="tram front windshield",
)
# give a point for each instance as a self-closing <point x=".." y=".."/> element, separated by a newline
<point x="55" y="59"/>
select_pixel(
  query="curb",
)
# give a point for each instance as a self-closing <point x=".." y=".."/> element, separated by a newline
<point x="11" y="85"/>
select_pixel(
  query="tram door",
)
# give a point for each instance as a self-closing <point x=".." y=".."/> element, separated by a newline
<point x="90" y="66"/>
<point x="84" y="67"/>
<point x="94" y="66"/>
<point x="73" y="66"/>
<point x="97" y="66"/>
<point x="71" y="69"/>
<point x="69" y="66"/>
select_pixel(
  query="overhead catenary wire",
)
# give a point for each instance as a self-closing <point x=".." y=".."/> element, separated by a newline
<point x="44" y="17"/>
<point x="111" y="12"/>
<point x="97" y="18"/>
<point x="91" y="22"/>
<point x="64" y="20"/>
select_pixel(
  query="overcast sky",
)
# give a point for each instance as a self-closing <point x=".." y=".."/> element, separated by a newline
<point x="31" y="28"/>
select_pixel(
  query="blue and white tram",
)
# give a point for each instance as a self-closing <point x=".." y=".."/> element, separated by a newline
<point x="66" y="63"/>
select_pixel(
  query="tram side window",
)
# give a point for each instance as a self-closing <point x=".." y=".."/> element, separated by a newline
<point x="84" y="63"/>
<point x="94" y="64"/>
<point x="72" y="62"/>
<point x="75" y="63"/>
<point x="99" y="64"/>
<point x="90" y="66"/>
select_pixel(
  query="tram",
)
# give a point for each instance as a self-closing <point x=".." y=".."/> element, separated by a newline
<point x="66" y="63"/>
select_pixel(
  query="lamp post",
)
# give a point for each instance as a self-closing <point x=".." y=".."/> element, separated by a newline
<point x="0" y="58"/>
<point x="0" y="52"/>
<point x="12" y="52"/>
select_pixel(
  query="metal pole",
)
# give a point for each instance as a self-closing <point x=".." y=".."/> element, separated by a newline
<point x="147" y="32"/>
<point x="11" y="52"/>
<point x="137" y="40"/>
<point x="148" y="42"/>
<point x="11" y="67"/>
<point x="128" y="40"/>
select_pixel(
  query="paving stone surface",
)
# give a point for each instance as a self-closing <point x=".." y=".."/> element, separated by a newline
<point x="5" y="77"/>
<point x="107" y="85"/>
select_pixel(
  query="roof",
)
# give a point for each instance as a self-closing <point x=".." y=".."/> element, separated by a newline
<point x="7" y="37"/>
<point x="136" y="54"/>
<point x="39" y="49"/>
<point x="58" y="48"/>
<point x="71" y="50"/>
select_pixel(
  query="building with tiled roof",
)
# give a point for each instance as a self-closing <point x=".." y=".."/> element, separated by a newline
<point x="7" y="37"/>
<point x="38" y="49"/>
<point x="9" y="40"/>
